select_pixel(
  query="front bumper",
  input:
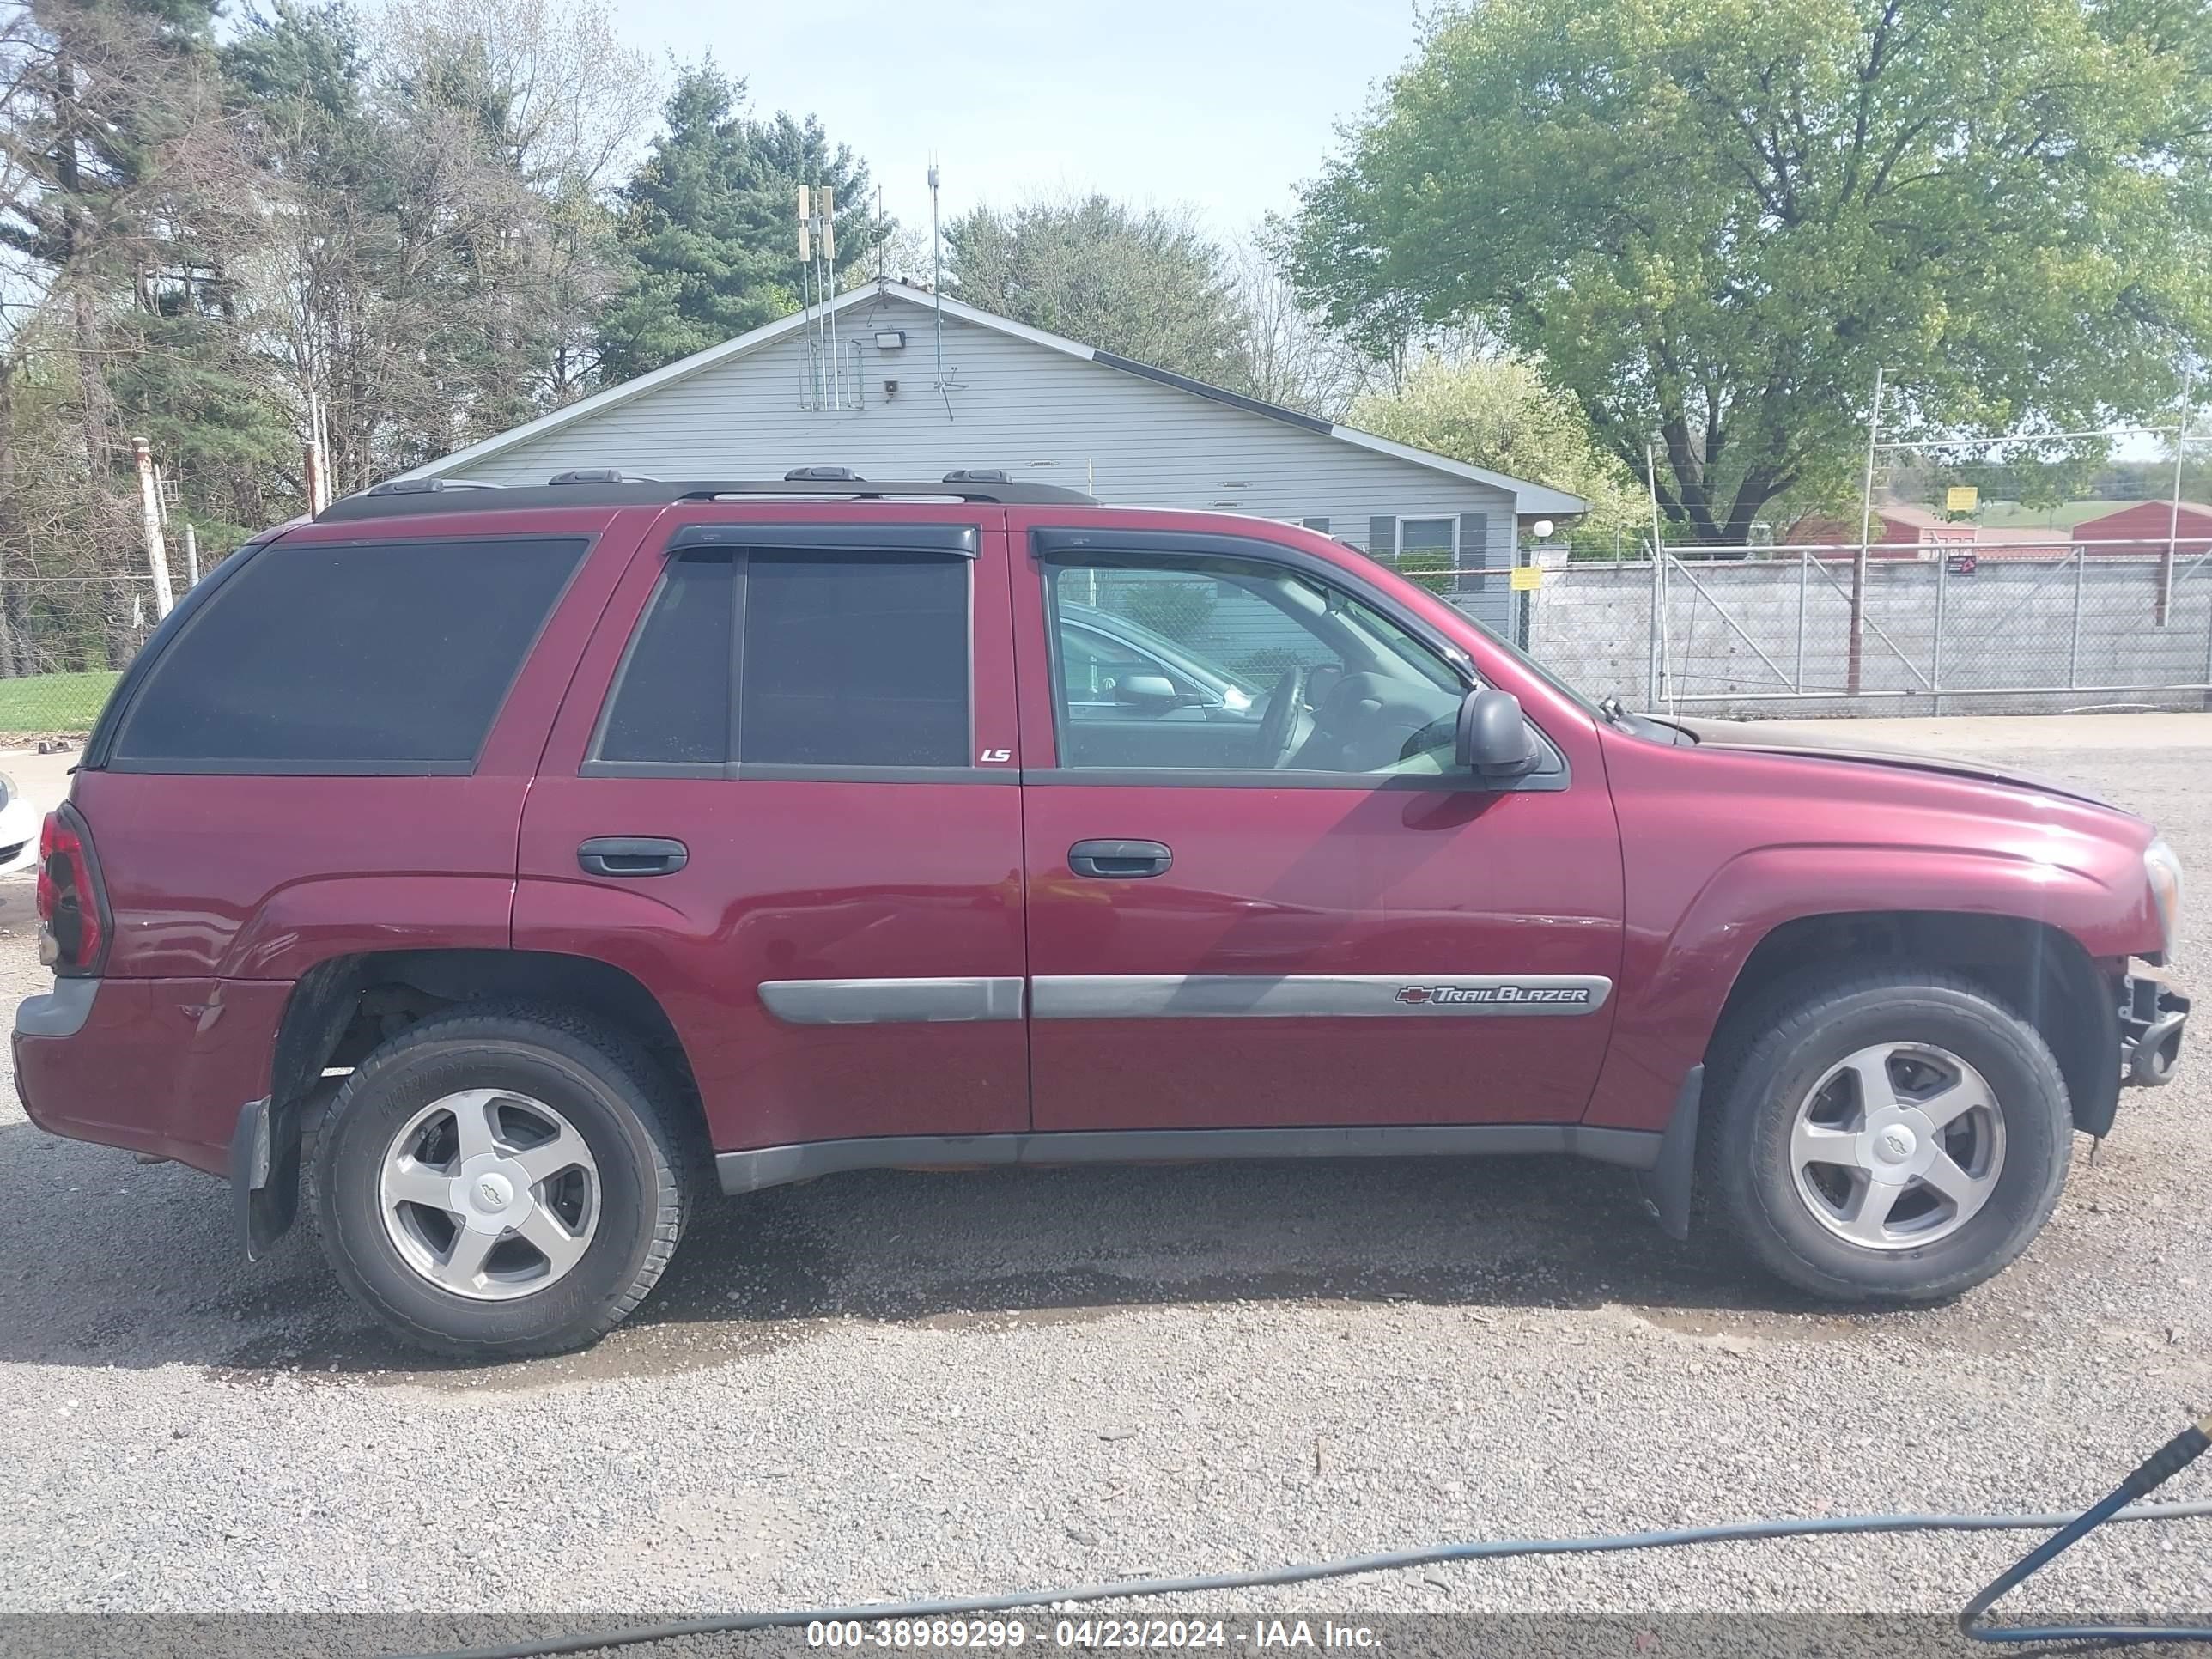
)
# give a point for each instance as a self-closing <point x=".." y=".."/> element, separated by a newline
<point x="2152" y="1018"/>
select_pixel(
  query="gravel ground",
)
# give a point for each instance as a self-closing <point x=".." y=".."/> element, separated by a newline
<point x="879" y="1386"/>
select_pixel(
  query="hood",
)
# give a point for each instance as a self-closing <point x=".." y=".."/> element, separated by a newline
<point x="1779" y="738"/>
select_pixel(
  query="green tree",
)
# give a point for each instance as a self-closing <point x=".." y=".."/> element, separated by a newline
<point x="710" y="223"/>
<point x="1711" y="220"/>
<point x="104" y="101"/>
<point x="1498" y="412"/>
<point x="1147" y="285"/>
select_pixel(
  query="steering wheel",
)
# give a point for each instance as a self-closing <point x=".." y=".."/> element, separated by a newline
<point x="1279" y="728"/>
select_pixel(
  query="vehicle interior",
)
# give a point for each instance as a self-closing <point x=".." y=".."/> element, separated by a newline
<point x="1232" y="664"/>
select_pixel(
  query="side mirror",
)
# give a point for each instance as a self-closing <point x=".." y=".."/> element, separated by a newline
<point x="1493" y="741"/>
<point x="1154" y="693"/>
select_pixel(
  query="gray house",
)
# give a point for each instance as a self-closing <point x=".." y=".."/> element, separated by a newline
<point x="895" y="383"/>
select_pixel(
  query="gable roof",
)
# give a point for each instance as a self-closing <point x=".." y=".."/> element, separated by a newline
<point x="1530" y="499"/>
<point x="2184" y="509"/>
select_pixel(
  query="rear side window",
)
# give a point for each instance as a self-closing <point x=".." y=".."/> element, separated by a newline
<point x="673" y="703"/>
<point x="842" y="659"/>
<point x="364" y="657"/>
<point x="856" y="661"/>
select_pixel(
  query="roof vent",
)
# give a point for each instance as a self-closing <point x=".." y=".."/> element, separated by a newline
<point x="822" y="474"/>
<point x="978" y="475"/>
<point x="426" y="486"/>
<point x="587" y="475"/>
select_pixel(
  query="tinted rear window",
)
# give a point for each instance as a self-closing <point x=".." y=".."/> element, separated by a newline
<point x="856" y="660"/>
<point x="361" y="657"/>
<point x="672" y="702"/>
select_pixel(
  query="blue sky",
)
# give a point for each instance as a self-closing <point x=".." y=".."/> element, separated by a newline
<point x="1222" y="104"/>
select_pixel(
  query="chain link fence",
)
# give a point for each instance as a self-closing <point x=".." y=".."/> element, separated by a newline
<point x="62" y="641"/>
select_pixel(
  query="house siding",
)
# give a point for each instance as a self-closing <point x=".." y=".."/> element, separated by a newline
<point x="1043" y="416"/>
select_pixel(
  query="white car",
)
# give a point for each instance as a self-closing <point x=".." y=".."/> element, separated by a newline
<point x="19" y="829"/>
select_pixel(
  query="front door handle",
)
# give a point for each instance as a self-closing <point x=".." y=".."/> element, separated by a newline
<point x="1119" y="860"/>
<point x="632" y="855"/>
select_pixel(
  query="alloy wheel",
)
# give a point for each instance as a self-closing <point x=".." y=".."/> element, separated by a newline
<point x="490" y="1195"/>
<point x="1897" y="1146"/>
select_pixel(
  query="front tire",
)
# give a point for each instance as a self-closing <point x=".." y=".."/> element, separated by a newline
<point x="1896" y="1135"/>
<point x="494" y="1183"/>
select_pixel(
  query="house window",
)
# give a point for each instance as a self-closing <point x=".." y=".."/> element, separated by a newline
<point x="1428" y="544"/>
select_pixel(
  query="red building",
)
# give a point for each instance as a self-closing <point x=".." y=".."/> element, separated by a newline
<point x="1899" y="532"/>
<point x="2144" y="528"/>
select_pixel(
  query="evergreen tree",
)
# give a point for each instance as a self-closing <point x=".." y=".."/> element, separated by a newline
<point x="710" y="224"/>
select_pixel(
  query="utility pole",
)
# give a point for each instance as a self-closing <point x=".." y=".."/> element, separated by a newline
<point x="2173" y="506"/>
<point x="150" y="516"/>
<point x="1866" y="530"/>
<point x="1658" y="639"/>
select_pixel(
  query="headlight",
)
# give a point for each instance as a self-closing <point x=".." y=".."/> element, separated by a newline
<point x="7" y="790"/>
<point x="2165" y="872"/>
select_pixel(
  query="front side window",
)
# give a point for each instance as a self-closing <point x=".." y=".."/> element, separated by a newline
<point x="350" y="657"/>
<point x="831" y="658"/>
<point x="1224" y="664"/>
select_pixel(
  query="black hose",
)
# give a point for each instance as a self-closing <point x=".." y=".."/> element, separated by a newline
<point x="1477" y="1550"/>
<point x="2154" y="1472"/>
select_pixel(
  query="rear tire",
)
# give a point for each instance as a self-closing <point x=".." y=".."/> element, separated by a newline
<point x="1897" y="1135"/>
<point x="501" y="1182"/>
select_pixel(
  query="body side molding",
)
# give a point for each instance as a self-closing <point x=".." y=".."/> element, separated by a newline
<point x="890" y="1001"/>
<point x="1312" y="996"/>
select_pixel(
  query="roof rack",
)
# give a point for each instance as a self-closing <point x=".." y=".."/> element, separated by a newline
<point x="607" y="487"/>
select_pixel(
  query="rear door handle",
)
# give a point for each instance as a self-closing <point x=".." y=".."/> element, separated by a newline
<point x="632" y="855"/>
<point x="1119" y="860"/>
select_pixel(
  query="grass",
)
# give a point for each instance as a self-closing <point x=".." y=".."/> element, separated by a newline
<point x="42" y="703"/>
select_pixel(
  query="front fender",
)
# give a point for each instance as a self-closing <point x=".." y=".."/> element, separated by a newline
<point x="1679" y="972"/>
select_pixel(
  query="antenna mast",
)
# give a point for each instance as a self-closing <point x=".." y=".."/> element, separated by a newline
<point x="936" y="275"/>
<point x="817" y="276"/>
<point x="813" y="377"/>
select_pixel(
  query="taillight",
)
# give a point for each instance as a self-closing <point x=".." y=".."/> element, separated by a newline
<point x="72" y="911"/>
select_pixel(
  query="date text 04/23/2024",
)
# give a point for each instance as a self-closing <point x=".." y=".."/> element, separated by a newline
<point x="1000" y="1633"/>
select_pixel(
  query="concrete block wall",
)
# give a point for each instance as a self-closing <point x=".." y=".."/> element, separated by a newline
<point x="1770" y="637"/>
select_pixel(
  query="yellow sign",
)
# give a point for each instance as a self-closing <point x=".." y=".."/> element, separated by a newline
<point x="1526" y="576"/>
<point x="1961" y="498"/>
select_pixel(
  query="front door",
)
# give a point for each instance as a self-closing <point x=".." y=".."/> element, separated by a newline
<point x="781" y="795"/>
<point x="1259" y="896"/>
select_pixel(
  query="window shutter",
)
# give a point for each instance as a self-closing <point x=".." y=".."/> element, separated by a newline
<point x="1382" y="539"/>
<point x="1474" y="550"/>
<point x="1322" y="524"/>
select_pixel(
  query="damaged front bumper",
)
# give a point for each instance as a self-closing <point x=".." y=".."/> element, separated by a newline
<point x="2152" y="1017"/>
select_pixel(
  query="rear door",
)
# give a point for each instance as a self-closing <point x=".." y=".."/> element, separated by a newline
<point x="782" y="793"/>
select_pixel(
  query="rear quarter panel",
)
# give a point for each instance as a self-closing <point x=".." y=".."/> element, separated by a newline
<point x="1723" y="846"/>
<point x="260" y="876"/>
<point x="224" y="888"/>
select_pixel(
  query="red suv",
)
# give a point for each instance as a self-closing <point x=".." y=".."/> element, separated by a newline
<point x="513" y="858"/>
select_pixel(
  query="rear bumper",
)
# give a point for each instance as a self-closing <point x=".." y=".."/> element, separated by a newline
<point x="159" y="1066"/>
<point x="2151" y="1021"/>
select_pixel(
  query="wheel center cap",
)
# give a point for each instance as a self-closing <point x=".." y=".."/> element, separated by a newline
<point x="1895" y="1145"/>
<point x="491" y="1193"/>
